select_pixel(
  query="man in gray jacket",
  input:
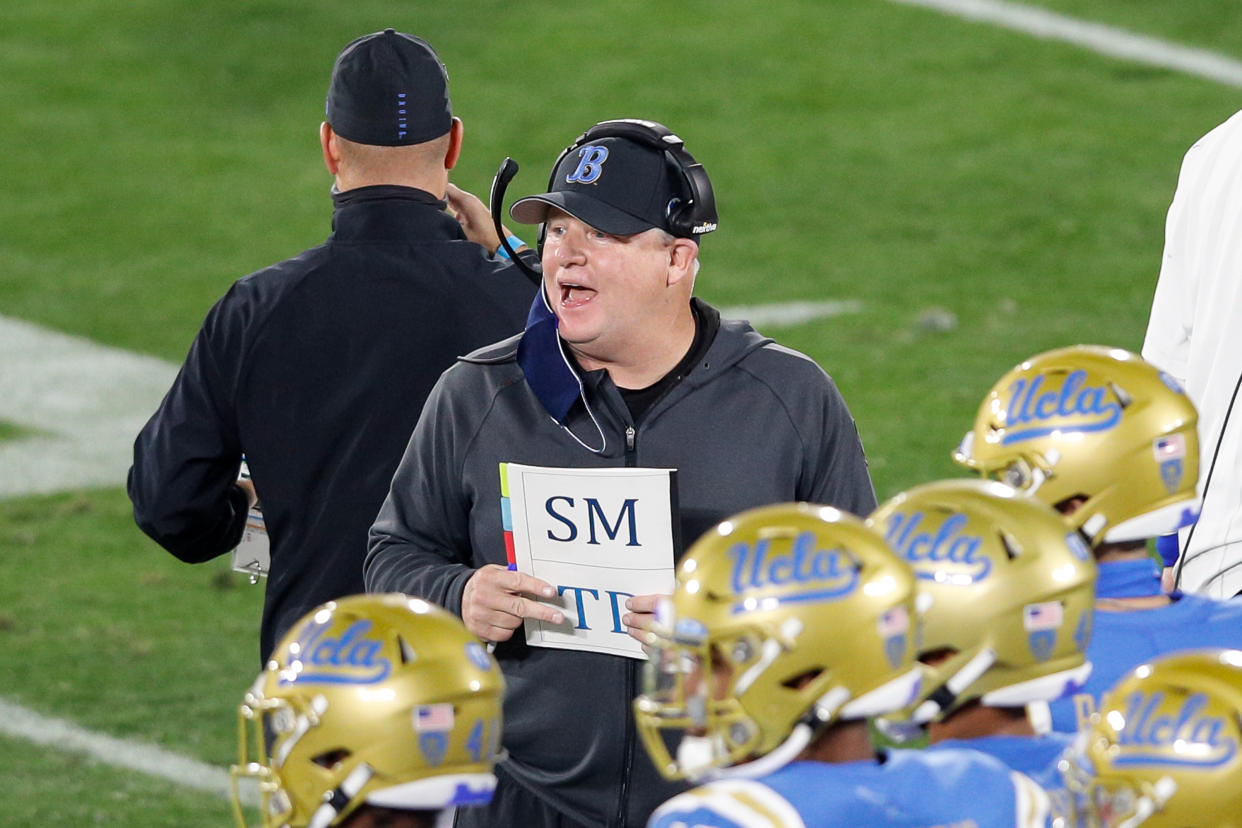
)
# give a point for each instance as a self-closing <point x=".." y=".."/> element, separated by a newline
<point x="618" y="367"/>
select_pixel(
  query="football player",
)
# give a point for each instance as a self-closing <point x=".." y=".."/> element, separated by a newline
<point x="1109" y="441"/>
<point x="374" y="710"/>
<point x="788" y="627"/>
<point x="1006" y="590"/>
<point x="1162" y="751"/>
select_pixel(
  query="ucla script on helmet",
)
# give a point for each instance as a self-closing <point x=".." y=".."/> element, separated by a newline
<point x="599" y="536"/>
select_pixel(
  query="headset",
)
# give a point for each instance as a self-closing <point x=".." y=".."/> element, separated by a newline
<point x="687" y="218"/>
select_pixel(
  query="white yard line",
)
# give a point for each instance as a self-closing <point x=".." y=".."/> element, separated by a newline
<point x="1097" y="37"/>
<point x="85" y="401"/>
<point x="22" y="723"/>
<point x="790" y="313"/>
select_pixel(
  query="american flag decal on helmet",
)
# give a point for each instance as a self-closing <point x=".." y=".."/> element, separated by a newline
<point x="1169" y="447"/>
<point x="433" y="718"/>
<point x="1045" y="616"/>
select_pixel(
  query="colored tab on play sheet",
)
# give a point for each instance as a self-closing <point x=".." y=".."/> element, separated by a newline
<point x="506" y="516"/>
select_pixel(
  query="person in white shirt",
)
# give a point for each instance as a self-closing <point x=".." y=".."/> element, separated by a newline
<point x="1192" y="334"/>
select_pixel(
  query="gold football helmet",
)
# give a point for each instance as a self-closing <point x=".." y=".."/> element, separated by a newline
<point x="378" y="699"/>
<point x="1006" y="591"/>
<point x="784" y="619"/>
<point x="1098" y="423"/>
<point x="1163" y="749"/>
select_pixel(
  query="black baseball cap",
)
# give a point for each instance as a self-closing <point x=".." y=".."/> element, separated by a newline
<point x="389" y="89"/>
<point x="614" y="184"/>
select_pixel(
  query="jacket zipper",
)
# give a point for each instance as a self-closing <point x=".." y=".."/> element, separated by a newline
<point x="627" y="766"/>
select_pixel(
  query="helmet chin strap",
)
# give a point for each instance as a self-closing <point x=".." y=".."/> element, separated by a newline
<point x="339" y="799"/>
<point x="946" y="695"/>
<point x="822" y="712"/>
<point x="771" y="762"/>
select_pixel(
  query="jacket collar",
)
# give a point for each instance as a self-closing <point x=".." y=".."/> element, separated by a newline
<point x="390" y="213"/>
<point x="547" y="369"/>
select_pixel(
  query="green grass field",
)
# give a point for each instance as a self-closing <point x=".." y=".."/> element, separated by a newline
<point x="859" y="149"/>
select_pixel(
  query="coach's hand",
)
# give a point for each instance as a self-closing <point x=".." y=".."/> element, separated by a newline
<point x="247" y="486"/>
<point x="494" y="603"/>
<point x="474" y="217"/>
<point x="641" y="614"/>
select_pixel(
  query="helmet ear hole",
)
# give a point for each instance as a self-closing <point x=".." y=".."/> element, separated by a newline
<point x="331" y="758"/>
<point x="1069" y="505"/>
<point x="803" y="679"/>
<point x="937" y="656"/>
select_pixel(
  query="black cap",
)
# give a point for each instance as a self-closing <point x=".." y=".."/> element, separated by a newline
<point x="614" y="184"/>
<point x="389" y="89"/>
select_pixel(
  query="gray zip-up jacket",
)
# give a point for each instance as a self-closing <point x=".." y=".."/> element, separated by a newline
<point x="752" y="423"/>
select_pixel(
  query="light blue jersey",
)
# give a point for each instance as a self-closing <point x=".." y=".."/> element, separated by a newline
<point x="1034" y="756"/>
<point x="1122" y="640"/>
<point x="911" y="788"/>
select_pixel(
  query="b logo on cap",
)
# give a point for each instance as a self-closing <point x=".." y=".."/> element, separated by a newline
<point x="590" y="165"/>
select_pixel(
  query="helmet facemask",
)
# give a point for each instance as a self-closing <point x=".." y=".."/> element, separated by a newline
<point x="785" y="619"/>
<point x="1115" y="803"/>
<point x="276" y="722"/>
<point x="698" y="685"/>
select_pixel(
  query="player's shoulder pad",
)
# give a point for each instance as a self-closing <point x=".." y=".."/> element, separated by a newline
<point x="1214" y="612"/>
<point x="1032" y="805"/>
<point x="733" y="803"/>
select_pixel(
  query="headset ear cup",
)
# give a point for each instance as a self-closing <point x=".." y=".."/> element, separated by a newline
<point x="681" y="218"/>
<point x="679" y="211"/>
<point x="700" y="213"/>
<point x="676" y="218"/>
<point x="687" y="212"/>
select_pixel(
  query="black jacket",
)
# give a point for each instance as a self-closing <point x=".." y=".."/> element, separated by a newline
<point x="317" y="368"/>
